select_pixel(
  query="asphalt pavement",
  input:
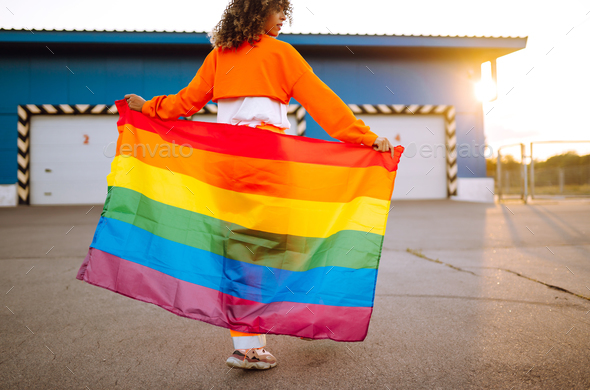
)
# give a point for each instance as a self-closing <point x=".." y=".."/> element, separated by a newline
<point x="469" y="296"/>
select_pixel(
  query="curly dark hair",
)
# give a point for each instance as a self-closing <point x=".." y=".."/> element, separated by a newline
<point x="244" y="20"/>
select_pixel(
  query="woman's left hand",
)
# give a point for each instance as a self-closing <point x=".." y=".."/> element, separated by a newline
<point x="135" y="102"/>
<point x="382" y="144"/>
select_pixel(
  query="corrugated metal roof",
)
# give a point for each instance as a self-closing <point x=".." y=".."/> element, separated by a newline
<point x="496" y="46"/>
<point x="287" y="34"/>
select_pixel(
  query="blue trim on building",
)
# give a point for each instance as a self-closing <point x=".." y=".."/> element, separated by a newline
<point x="184" y="38"/>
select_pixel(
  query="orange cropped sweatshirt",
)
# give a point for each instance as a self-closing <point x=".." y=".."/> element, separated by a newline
<point x="270" y="68"/>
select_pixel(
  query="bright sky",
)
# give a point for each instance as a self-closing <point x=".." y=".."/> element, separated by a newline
<point x="543" y="90"/>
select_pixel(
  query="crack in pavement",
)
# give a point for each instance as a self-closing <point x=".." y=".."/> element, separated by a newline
<point x="546" y="284"/>
<point x="479" y="299"/>
<point x="422" y="256"/>
<point x="490" y="247"/>
<point x="419" y="254"/>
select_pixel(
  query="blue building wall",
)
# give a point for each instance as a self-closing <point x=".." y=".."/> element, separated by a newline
<point x="36" y="76"/>
<point x="420" y="79"/>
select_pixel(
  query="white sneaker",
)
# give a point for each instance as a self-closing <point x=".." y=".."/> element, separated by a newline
<point x="255" y="358"/>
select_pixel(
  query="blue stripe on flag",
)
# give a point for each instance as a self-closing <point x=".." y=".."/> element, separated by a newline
<point x="334" y="286"/>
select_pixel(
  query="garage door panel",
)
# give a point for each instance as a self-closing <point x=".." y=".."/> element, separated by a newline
<point x="212" y="118"/>
<point x="69" y="192"/>
<point x="69" y="154"/>
<point x="72" y="129"/>
<point x="70" y="158"/>
<point x="65" y="171"/>
<point x="421" y="182"/>
<point x="422" y="168"/>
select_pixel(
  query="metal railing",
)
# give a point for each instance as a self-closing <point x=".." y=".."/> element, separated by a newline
<point x="572" y="180"/>
<point x="523" y="177"/>
<point x="511" y="173"/>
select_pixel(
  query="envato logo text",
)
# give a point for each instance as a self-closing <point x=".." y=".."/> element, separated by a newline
<point x="434" y="150"/>
<point x="162" y="150"/>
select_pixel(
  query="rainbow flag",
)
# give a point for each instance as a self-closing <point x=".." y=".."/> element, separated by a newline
<point x="242" y="227"/>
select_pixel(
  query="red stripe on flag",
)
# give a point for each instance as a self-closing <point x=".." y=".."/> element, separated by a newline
<point x="258" y="143"/>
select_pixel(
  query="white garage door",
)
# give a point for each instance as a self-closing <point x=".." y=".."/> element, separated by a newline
<point x="70" y="158"/>
<point x="422" y="170"/>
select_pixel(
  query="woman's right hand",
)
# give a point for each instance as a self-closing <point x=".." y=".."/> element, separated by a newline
<point x="382" y="144"/>
<point x="135" y="102"/>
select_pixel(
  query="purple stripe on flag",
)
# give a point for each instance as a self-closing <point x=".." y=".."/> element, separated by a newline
<point x="339" y="323"/>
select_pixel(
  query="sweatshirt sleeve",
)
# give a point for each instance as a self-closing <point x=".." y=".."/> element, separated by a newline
<point x="329" y="111"/>
<point x="190" y="99"/>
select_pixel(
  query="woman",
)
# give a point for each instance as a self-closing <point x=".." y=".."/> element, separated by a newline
<point x="252" y="76"/>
